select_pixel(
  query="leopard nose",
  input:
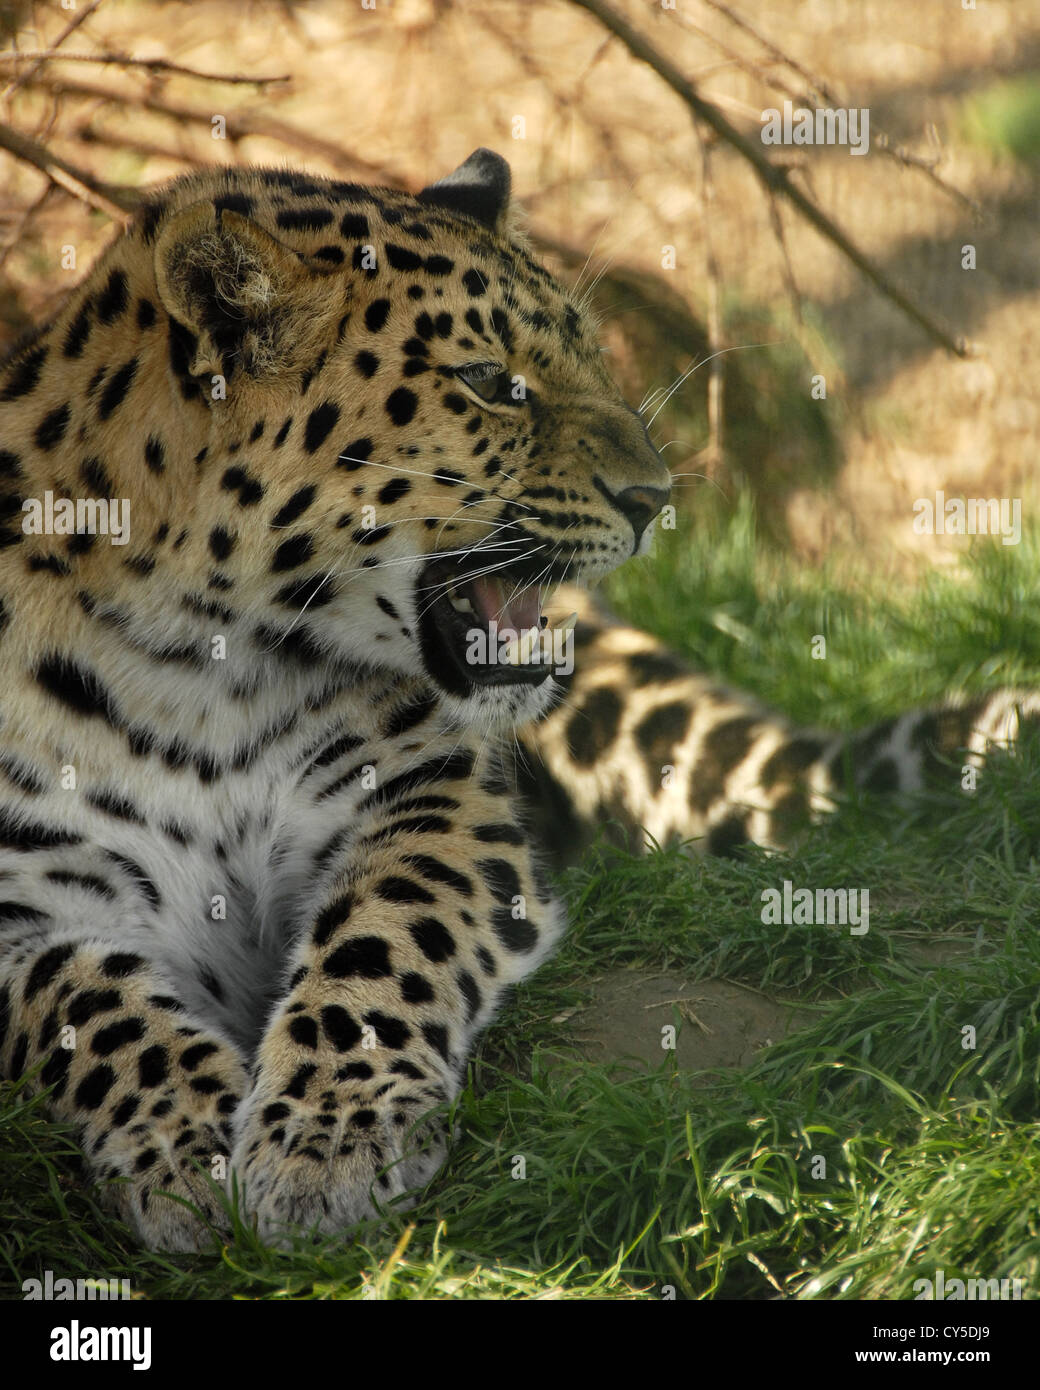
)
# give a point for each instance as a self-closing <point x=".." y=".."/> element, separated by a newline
<point x="640" y="505"/>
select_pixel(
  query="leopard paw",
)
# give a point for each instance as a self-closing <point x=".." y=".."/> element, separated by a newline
<point x="328" y="1164"/>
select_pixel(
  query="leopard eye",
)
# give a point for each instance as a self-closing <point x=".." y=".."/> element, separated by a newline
<point x="484" y="379"/>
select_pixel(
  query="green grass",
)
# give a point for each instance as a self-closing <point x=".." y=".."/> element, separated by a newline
<point x="867" y="1150"/>
<point x="743" y="609"/>
<point x="1005" y="117"/>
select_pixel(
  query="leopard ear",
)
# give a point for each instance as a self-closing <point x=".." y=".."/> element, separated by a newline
<point x="249" y="301"/>
<point x="479" y="187"/>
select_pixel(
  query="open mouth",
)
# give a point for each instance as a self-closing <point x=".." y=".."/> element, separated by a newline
<point x="482" y="629"/>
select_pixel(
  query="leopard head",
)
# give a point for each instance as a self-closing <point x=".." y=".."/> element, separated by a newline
<point x="417" y="439"/>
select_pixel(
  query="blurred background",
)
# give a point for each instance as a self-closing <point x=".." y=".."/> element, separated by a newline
<point x="685" y="255"/>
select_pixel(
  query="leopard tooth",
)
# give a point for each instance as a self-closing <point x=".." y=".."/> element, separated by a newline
<point x="567" y="624"/>
<point x="460" y="603"/>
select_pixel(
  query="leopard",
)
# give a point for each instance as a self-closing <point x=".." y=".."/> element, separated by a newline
<point x="304" y="493"/>
<point x="648" y="752"/>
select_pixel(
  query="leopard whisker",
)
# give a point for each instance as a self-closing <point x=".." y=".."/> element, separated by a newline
<point x="421" y="473"/>
<point x="739" y="347"/>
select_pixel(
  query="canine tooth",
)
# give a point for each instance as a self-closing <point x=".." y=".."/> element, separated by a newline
<point x="460" y="604"/>
<point x="567" y="624"/>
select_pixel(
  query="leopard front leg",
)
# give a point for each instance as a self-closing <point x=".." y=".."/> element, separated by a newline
<point x="151" y="1091"/>
<point x="409" y="939"/>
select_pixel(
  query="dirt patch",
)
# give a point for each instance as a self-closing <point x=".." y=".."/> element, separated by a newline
<point x="717" y="1023"/>
<point x="940" y="951"/>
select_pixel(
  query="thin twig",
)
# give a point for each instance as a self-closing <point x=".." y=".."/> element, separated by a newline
<point x="124" y="60"/>
<point x="564" y="104"/>
<point x="788" y="270"/>
<point x="70" y="28"/>
<point x="927" y="166"/>
<point x="817" y="86"/>
<point x="117" y="203"/>
<point x="716" y="368"/>
<point x="88" y="135"/>
<point x="772" y="176"/>
<point x="237" y="126"/>
<point x="746" y="64"/>
<point x="23" y="222"/>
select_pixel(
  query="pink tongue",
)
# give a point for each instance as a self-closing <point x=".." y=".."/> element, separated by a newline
<point x="505" y="602"/>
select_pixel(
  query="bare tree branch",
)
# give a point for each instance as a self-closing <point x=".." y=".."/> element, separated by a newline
<point x="239" y="125"/>
<point x="123" y="60"/>
<point x="117" y="203"/>
<point x="816" y="84"/>
<point x="788" y="270"/>
<point x="716" y="361"/>
<point x="70" y="28"/>
<point x="774" y="177"/>
<point x="24" y="221"/>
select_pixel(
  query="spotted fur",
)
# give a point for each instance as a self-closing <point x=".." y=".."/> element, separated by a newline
<point x="264" y="870"/>
<point x="263" y="880"/>
<point x="649" y="750"/>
